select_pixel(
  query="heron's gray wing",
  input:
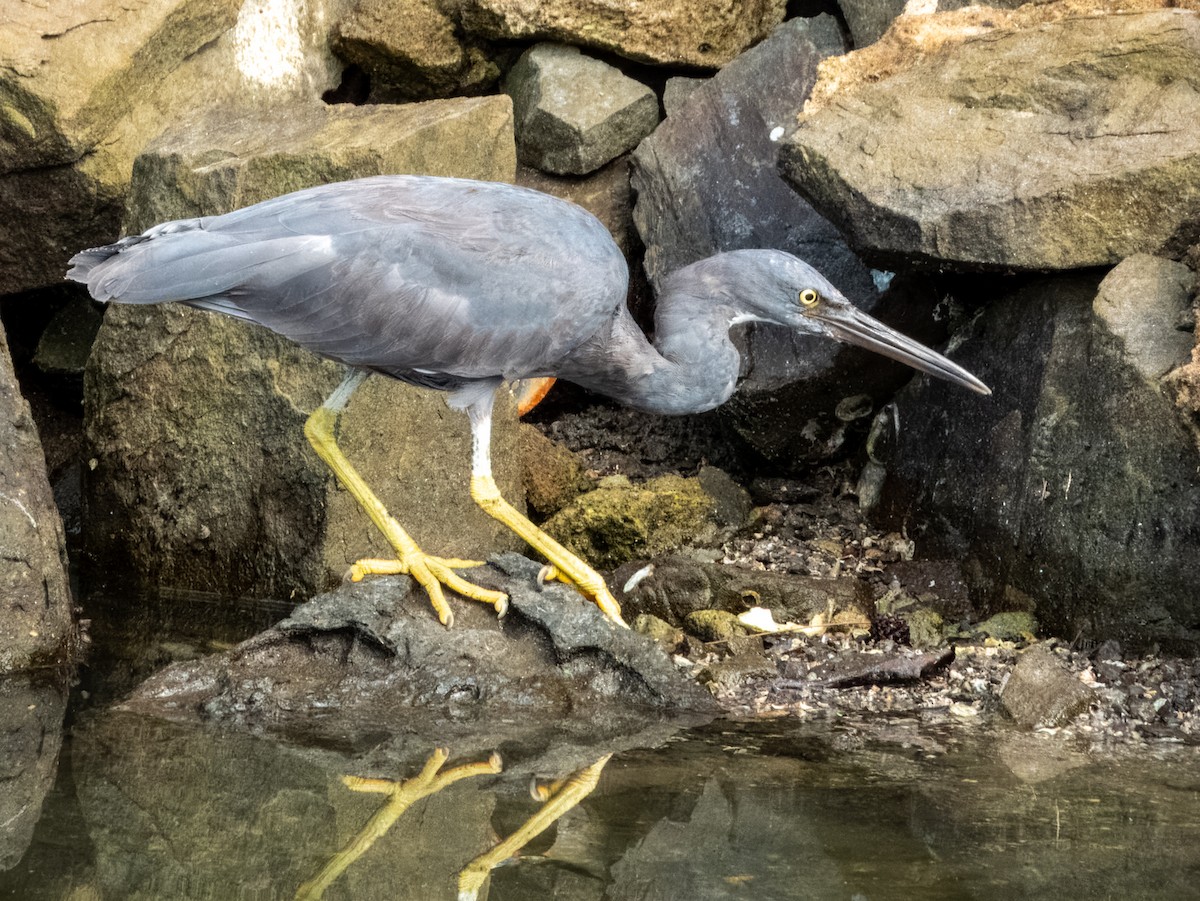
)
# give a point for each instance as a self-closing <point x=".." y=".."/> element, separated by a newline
<point x="400" y="274"/>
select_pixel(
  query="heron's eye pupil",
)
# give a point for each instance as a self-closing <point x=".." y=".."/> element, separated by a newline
<point x="809" y="297"/>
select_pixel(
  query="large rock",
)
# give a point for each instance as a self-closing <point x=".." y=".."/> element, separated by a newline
<point x="85" y="86"/>
<point x="375" y="654"/>
<point x="411" y="50"/>
<point x="867" y="20"/>
<point x="995" y="144"/>
<point x="201" y="476"/>
<point x="68" y="70"/>
<point x="35" y="597"/>
<point x="1075" y="483"/>
<point x="68" y="74"/>
<point x="706" y="182"/>
<point x="708" y="33"/>
<point x="574" y="113"/>
<point x="619" y="521"/>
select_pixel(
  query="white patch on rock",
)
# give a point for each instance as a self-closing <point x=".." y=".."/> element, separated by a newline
<point x="267" y="42"/>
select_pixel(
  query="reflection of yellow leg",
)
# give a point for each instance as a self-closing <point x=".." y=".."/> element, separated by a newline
<point x="401" y="796"/>
<point x="563" y="797"/>
<point x="567" y="567"/>
<point x="431" y="572"/>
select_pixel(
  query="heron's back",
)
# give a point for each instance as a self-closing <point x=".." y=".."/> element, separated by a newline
<point x="436" y="280"/>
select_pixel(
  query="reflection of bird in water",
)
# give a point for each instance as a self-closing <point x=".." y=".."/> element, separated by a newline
<point x="557" y="799"/>
<point x="459" y="285"/>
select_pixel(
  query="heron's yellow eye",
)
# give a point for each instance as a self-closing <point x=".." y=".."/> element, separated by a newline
<point x="809" y="297"/>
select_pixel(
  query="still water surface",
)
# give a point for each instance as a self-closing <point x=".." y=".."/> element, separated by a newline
<point x="899" y="808"/>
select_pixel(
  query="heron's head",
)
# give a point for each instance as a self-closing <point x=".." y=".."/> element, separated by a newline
<point x="773" y="286"/>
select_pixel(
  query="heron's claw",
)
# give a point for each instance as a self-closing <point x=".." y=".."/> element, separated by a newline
<point x="431" y="573"/>
<point x="590" y="584"/>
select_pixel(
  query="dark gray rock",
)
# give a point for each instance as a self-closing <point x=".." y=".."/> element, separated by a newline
<point x="707" y="181"/>
<point x="677" y="90"/>
<point x="1075" y="483"/>
<point x="1042" y="692"/>
<point x="572" y="113"/>
<point x="867" y="20"/>
<point x="36" y="627"/>
<point x="374" y="653"/>
<point x="1006" y="146"/>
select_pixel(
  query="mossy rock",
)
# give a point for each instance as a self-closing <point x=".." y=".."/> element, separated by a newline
<point x="621" y="522"/>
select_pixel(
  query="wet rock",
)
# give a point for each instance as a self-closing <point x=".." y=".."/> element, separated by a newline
<point x="31" y="729"/>
<point x="1041" y="691"/>
<point x="411" y="50"/>
<point x="620" y="521"/>
<point x="553" y="475"/>
<point x="1074" y="484"/>
<point x="676" y="586"/>
<point x="706" y="34"/>
<point x="36" y="628"/>
<point x="919" y="155"/>
<point x="201" y="476"/>
<point x="375" y="648"/>
<point x="737" y="670"/>
<point x="572" y="113"/>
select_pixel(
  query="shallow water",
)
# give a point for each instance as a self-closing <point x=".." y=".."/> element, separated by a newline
<point x="884" y="808"/>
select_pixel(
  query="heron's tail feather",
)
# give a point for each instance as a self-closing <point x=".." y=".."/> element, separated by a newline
<point x="84" y="262"/>
<point x="184" y="261"/>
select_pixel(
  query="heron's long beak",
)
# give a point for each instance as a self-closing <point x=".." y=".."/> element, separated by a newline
<point x="847" y="323"/>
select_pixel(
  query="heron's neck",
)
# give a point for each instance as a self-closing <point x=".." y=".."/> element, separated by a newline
<point x="691" y="367"/>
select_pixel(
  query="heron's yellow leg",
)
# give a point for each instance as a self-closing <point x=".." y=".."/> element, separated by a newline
<point x="567" y="567"/>
<point x="565" y="796"/>
<point x="400" y="796"/>
<point x="430" y="572"/>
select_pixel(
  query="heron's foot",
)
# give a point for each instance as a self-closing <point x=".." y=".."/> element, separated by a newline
<point x="431" y="573"/>
<point x="587" y="582"/>
<point x="563" y="565"/>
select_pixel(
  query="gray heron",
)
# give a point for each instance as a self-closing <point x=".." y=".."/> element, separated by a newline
<point x="460" y="285"/>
